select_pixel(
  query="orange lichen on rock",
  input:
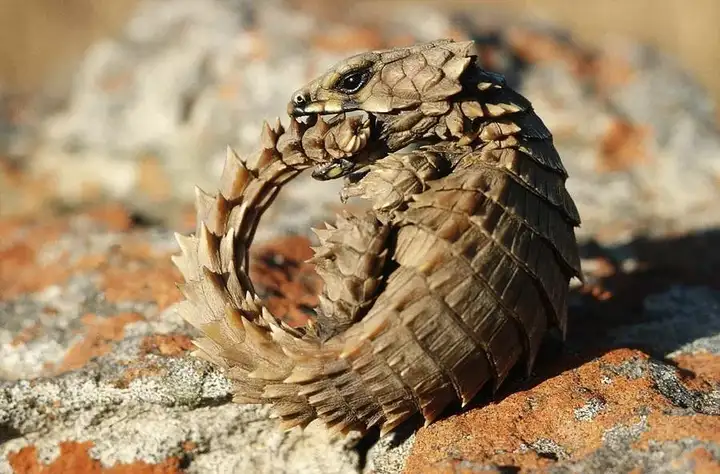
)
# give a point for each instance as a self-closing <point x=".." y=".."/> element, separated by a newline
<point x="604" y="70"/>
<point x="75" y="458"/>
<point x="610" y="72"/>
<point x="502" y="433"/>
<point x="153" y="180"/>
<point x="703" y="364"/>
<point x="673" y="428"/>
<point x="129" y="271"/>
<point x="98" y="335"/>
<point x="19" y="272"/>
<point x="135" y="273"/>
<point x="24" y="193"/>
<point x="703" y="461"/>
<point x="537" y="47"/>
<point x="169" y="345"/>
<point x="623" y="147"/>
<point x="279" y="270"/>
<point x="596" y="291"/>
<point x="113" y="217"/>
<point x="26" y="335"/>
<point x="133" y="373"/>
<point x="21" y="241"/>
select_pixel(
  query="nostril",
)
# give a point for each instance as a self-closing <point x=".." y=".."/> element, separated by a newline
<point x="299" y="99"/>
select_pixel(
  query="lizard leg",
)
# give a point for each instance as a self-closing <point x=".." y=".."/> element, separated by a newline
<point x="353" y="256"/>
<point x="391" y="181"/>
<point x="351" y="260"/>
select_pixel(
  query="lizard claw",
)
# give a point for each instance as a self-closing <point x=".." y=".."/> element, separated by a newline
<point x="350" y="191"/>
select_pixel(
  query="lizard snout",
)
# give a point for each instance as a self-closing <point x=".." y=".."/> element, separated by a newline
<point x="296" y="107"/>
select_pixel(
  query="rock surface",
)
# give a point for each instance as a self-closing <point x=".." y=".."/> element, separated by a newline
<point x="618" y="413"/>
<point x="95" y="368"/>
<point x="95" y="374"/>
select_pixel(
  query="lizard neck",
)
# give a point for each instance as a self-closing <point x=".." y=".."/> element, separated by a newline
<point x="485" y="110"/>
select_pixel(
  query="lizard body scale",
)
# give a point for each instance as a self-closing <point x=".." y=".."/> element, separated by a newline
<point x="451" y="280"/>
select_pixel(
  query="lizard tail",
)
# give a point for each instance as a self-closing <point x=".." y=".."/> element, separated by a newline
<point x="292" y="369"/>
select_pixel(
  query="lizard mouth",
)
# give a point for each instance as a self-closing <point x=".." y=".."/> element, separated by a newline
<point x="339" y="143"/>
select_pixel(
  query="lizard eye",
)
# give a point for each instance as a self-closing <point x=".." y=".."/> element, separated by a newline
<point x="352" y="82"/>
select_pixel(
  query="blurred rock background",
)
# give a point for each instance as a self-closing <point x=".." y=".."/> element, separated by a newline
<point x="111" y="111"/>
<point x="134" y="101"/>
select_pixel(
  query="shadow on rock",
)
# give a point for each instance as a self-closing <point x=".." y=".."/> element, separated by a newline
<point x="660" y="296"/>
<point x="657" y="295"/>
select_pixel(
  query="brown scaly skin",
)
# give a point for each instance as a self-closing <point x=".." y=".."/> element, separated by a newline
<point x="451" y="281"/>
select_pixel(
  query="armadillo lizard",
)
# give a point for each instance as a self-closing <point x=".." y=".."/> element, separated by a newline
<point x="452" y="279"/>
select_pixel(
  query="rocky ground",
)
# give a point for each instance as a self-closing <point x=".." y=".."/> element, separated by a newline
<point x="94" y="368"/>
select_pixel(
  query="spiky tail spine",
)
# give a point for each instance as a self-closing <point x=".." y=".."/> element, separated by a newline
<point x="270" y="362"/>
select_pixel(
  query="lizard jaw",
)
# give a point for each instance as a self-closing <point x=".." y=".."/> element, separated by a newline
<point x="319" y="107"/>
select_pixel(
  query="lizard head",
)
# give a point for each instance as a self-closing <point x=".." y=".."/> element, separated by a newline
<point x="387" y="100"/>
